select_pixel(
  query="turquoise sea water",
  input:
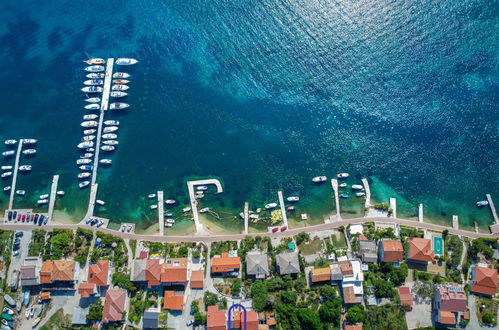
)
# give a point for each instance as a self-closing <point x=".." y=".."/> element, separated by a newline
<point x="263" y="95"/>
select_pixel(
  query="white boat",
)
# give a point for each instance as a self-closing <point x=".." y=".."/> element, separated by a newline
<point x="93" y="106"/>
<point x="83" y="184"/>
<point x="318" y="179"/>
<point x="44" y="196"/>
<point x="60" y="193"/>
<point x="90" y="117"/>
<point x="82" y="161"/>
<point x="254" y="216"/>
<point x="110" y="129"/>
<point x="170" y="201"/>
<point x="30" y="141"/>
<point x="110" y="142"/>
<point x="95" y="61"/>
<point x="343" y="175"/>
<point x="106" y="161"/>
<point x="6" y="188"/>
<point x="293" y="199"/>
<point x="357" y="187"/>
<point x="84" y="175"/>
<point x="21" y="192"/>
<point x="121" y="75"/>
<point x="170" y="220"/>
<point x="107" y="148"/>
<point x="151" y="196"/>
<point x="120" y="87"/>
<point x="29" y="151"/>
<point x="6" y="174"/>
<point x="91" y="123"/>
<point x="121" y="81"/>
<point x="126" y="61"/>
<point x="25" y="168"/>
<point x="93" y="100"/>
<point x="86" y="167"/>
<point x="10" y="142"/>
<point x="118" y="106"/>
<point x="93" y="82"/>
<point x="360" y="194"/>
<point x="202" y="188"/>
<point x="92" y="89"/>
<point x="153" y="206"/>
<point x="42" y="201"/>
<point x="95" y="75"/>
<point x="118" y="94"/>
<point x="88" y="138"/>
<point x="186" y="209"/>
<point x="108" y="136"/>
<point x="199" y="195"/>
<point x="8" y="153"/>
<point x="169" y="225"/>
<point x="204" y="209"/>
<point x="482" y="203"/>
<point x="94" y="68"/>
<point x="6" y="167"/>
<point x="89" y="131"/>
<point x="111" y="122"/>
<point x="90" y="150"/>
<point x="100" y="202"/>
<point x="270" y="206"/>
<point x="87" y="155"/>
<point x="342" y="185"/>
<point x="86" y="144"/>
<point x="199" y="192"/>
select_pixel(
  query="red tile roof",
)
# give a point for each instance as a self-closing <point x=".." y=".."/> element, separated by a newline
<point x="174" y="270"/>
<point x="57" y="270"/>
<point x="197" y="279"/>
<point x="114" y="305"/>
<point x="321" y="274"/>
<point x="485" y="281"/>
<point x="143" y="254"/>
<point x="446" y="318"/>
<point x="153" y="272"/>
<point x="45" y="295"/>
<point x="405" y="295"/>
<point x="98" y="273"/>
<point x="216" y="319"/>
<point x="346" y="268"/>
<point x="420" y="249"/>
<point x="225" y="264"/>
<point x="452" y="300"/>
<point x="86" y="289"/>
<point x="251" y="320"/>
<point x="362" y="238"/>
<point x="173" y="302"/>
<point x="357" y="326"/>
<point x="349" y="295"/>
<point x="392" y="251"/>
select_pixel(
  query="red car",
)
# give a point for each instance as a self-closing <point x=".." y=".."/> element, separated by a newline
<point x="275" y="229"/>
<point x="23" y="218"/>
<point x="283" y="228"/>
<point x="19" y="217"/>
<point x="32" y="217"/>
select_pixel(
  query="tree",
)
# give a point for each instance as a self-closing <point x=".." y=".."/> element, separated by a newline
<point x="259" y="296"/>
<point x="355" y="314"/>
<point x="309" y="319"/>
<point x="302" y="237"/>
<point x="330" y="312"/>
<point x="236" y="288"/>
<point x="383" y="289"/>
<point x="210" y="299"/>
<point x="488" y="318"/>
<point x="123" y="281"/>
<point x="274" y="284"/>
<point x="199" y="319"/>
<point x="95" y="311"/>
<point x="327" y="292"/>
<point x="288" y="297"/>
<point x="196" y="254"/>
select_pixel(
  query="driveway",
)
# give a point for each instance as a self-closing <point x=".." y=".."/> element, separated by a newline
<point x="17" y="261"/>
<point x="474" y="323"/>
<point x="421" y="313"/>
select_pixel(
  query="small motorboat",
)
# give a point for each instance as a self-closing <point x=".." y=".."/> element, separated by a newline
<point x="29" y="152"/>
<point x="86" y="144"/>
<point x="120" y="75"/>
<point x="60" y="193"/>
<point x="82" y="161"/>
<point x="118" y="106"/>
<point x="30" y="141"/>
<point x="94" y="68"/>
<point x="168" y="225"/>
<point x="168" y="214"/>
<point x="87" y="155"/>
<point x="120" y="81"/>
<point x="202" y="188"/>
<point x="6" y="168"/>
<point x="100" y="202"/>
<point x="342" y="185"/>
<point x="126" y="61"/>
<point x="106" y="161"/>
<point x="90" y="123"/>
<point x="111" y="122"/>
<point x="204" y="210"/>
<point x="170" y="201"/>
<point x="20" y="192"/>
<point x="344" y="196"/>
<point x="93" y="82"/>
<point x="90" y="150"/>
<point x="84" y="175"/>
<point x="95" y="75"/>
<point x="95" y="61"/>
<point x="153" y="206"/>
<point x="90" y="117"/>
<point x="6" y="188"/>
<point x="89" y="131"/>
<point x="44" y="196"/>
<point x="293" y="199"/>
<point x="42" y="201"/>
<point x="10" y="142"/>
<point x="291" y="208"/>
<point x="83" y="184"/>
<point x="93" y="106"/>
<point x="25" y="168"/>
<point x="357" y="187"/>
<point x="8" y="153"/>
<point x="482" y="203"/>
<point x="109" y="136"/>
<point x="254" y="216"/>
<point x="93" y="100"/>
<point x="319" y="179"/>
<point x="8" y="311"/>
<point x="86" y="167"/>
<point x="110" y="142"/>
<point x="270" y="206"/>
<point x="120" y="87"/>
<point x="6" y="174"/>
<point x="186" y="209"/>
<point x="110" y="129"/>
<point x="92" y="89"/>
<point x="343" y="175"/>
<point x="118" y="94"/>
<point x="107" y="148"/>
<point x="170" y="221"/>
<point x="151" y="196"/>
<point x="360" y="194"/>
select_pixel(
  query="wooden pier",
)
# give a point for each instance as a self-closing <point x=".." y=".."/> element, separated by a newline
<point x="283" y="208"/>
<point x="492" y="208"/>
<point x="161" y="215"/>
<point x="393" y="206"/>
<point x="455" y="222"/>
<point x="367" y="189"/>
<point x="420" y="213"/>
<point x="14" y="174"/>
<point x="334" y="184"/>
<point x="53" y="195"/>
<point x="246" y="217"/>
<point x="194" y="203"/>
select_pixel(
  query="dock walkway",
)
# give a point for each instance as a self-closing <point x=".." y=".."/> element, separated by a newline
<point x="455" y="222"/>
<point x="53" y="195"/>
<point x="492" y="208"/>
<point x="283" y="208"/>
<point x="194" y="203"/>
<point x="393" y="206"/>
<point x="246" y="217"/>
<point x="365" y="183"/>
<point x="161" y="215"/>
<point x="14" y="174"/>
<point x="420" y="213"/>
<point x="334" y="184"/>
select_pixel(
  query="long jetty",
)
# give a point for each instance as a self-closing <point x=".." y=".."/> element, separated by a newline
<point x="14" y="174"/>
<point x="246" y="217"/>
<point x="365" y="183"/>
<point x="53" y="195"/>
<point x="161" y="215"/>
<point x="334" y="184"/>
<point x="393" y="206"/>
<point x="283" y="208"/>
<point x="420" y="213"/>
<point x="194" y="203"/>
<point x="492" y="208"/>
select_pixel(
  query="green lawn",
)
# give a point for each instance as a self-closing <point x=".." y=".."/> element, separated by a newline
<point x="339" y="239"/>
<point x="311" y="247"/>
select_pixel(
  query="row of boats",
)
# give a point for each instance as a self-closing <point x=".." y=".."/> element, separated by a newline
<point x="323" y="178"/>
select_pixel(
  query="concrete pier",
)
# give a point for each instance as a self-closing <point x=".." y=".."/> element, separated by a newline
<point x="14" y="174"/>
<point x="365" y="183"/>
<point x="492" y="208"/>
<point x="334" y="184"/>
<point x="194" y="203"/>
<point x="53" y="195"/>
<point x="393" y="206"/>
<point x="161" y="215"/>
<point x="91" y="201"/>
<point x="455" y="222"/>
<point x="246" y="217"/>
<point x="420" y="213"/>
<point x="283" y="208"/>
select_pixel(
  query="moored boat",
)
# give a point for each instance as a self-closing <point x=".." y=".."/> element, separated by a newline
<point x="25" y="168"/>
<point x="107" y="148"/>
<point x="60" y="193"/>
<point x="87" y="155"/>
<point x="8" y="153"/>
<point x="153" y="207"/>
<point x="120" y="87"/>
<point x="83" y="161"/>
<point x="94" y="68"/>
<point x="93" y="82"/>
<point x="293" y="199"/>
<point x="186" y="209"/>
<point x="83" y="184"/>
<point x="357" y="187"/>
<point x="270" y="206"/>
<point x="106" y="161"/>
<point x="343" y="175"/>
<point x="6" y="174"/>
<point x="118" y="94"/>
<point x="20" y="192"/>
<point x="95" y="61"/>
<point x="121" y="75"/>
<point x="151" y="196"/>
<point x="120" y="81"/>
<point x="111" y="122"/>
<point x="95" y="75"/>
<point x="44" y="196"/>
<point x="91" y="123"/>
<point x="319" y="179"/>
<point x="29" y="151"/>
<point x="30" y="141"/>
<point x="360" y="194"/>
<point x="90" y="117"/>
<point x="42" y="201"/>
<point x="202" y="188"/>
<point x="6" y="188"/>
<point x="86" y="144"/>
<point x="344" y="196"/>
<point x="89" y="131"/>
<point x="6" y="167"/>
<point x="110" y="142"/>
<point x="170" y="201"/>
<point x="10" y="142"/>
<point x="93" y="100"/>
<point x="125" y="61"/>
<point x="110" y="129"/>
<point x="204" y="209"/>
<point x="118" y="106"/>
<point x="92" y="89"/>
<point x="100" y="202"/>
<point x="84" y="175"/>
<point x="86" y="167"/>
<point x="482" y="203"/>
<point x="92" y="106"/>
<point x="291" y="208"/>
<point x="342" y="185"/>
<point x="108" y="136"/>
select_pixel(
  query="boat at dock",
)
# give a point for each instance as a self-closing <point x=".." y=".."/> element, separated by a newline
<point x="108" y="136"/>
<point x="20" y="192"/>
<point x="120" y="75"/>
<point x="170" y="221"/>
<point x="168" y="225"/>
<point x="93" y="100"/>
<point x="107" y="148"/>
<point x="10" y="142"/>
<point x="118" y="106"/>
<point x="319" y="179"/>
<point x="293" y="199"/>
<point x="270" y="206"/>
<point x="42" y="201"/>
<point x="118" y="94"/>
<point x="110" y="129"/>
<point x="120" y="87"/>
<point x="186" y="209"/>
<point x="170" y="201"/>
<point x="482" y="203"/>
<point x="6" y="167"/>
<point x="342" y="185"/>
<point x="25" y="168"/>
<point x="111" y="122"/>
<point x="8" y="153"/>
<point x="343" y="175"/>
<point x="84" y="175"/>
<point x="360" y="194"/>
<point x="106" y="161"/>
<point x="87" y="155"/>
<point x="94" y="68"/>
<point x="83" y="184"/>
<point x="30" y="141"/>
<point x="110" y="142"/>
<point x="126" y="61"/>
<point x="93" y="106"/>
<point x="202" y="188"/>
<point x="151" y="196"/>
<point x="204" y="210"/>
<point x="93" y="82"/>
<point x="86" y="144"/>
<point x="60" y="193"/>
<point x="95" y="61"/>
<point x="44" y="196"/>
<point x="357" y="187"/>
<point x="100" y="202"/>
<point x="86" y="167"/>
<point x="83" y="161"/>
<point x="121" y="81"/>
<point x="95" y="75"/>
<point x="344" y="196"/>
<point x="168" y="214"/>
<point x="89" y="131"/>
<point x="29" y="151"/>
<point x="153" y="207"/>
<point x="91" y="123"/>
<point x="90" y="117"/>
<point x="6" y="174"/>
<point x="291" y="208"/>
<point x="6" y="188"/>
<point x="92" y="89"/>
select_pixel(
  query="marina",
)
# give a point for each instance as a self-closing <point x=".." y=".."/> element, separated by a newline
<point x="246" y="217"/>
<point x="455" y="222"/>
<point x="192" y="195"/>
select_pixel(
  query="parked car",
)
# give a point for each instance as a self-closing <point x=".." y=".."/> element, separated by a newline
<point x="191" y="322"/>
<point x="274" y="230"/>
<point x="19" y="234"/>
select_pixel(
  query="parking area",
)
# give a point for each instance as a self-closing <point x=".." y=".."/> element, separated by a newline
<point x="19" y="255"/>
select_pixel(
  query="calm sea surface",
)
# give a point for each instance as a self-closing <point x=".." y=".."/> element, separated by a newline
<point x="263" y="95"/>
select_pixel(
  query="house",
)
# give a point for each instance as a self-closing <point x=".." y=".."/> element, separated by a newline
<point x="352" y="282"/>
<point x="174" y="271"/>
<point x="368" y="251"/>
<point x="173" y="302"/>
<point x="197" y="279"/>
<point x="150" y="320"/>
<point x="58" y="272"/>
<point x="336" y="274"/>
<point x="98" y="273"/>
<point x="28" y="276"/>
<point x="391" y="251"/>
<point x="288" y="263"/>
<point x="138" y="271"/>
<point x="420" y="250"/>
<point x="86" y="290"/>
<point x="450" y="298"/>
<point x="225" y="264"/>
<point x="114" y="306"/>
<point x="237" y="321"/>
<point x="153" y="272"/>
<point x="257" y="264"/>
<point x="484" y="281"/>
<point x="349" y="326"/>
<point x="80" y="316"/>
<point x="217" y="319"/>
<point x="405" y="296"/>
<point x="320" y="274"/>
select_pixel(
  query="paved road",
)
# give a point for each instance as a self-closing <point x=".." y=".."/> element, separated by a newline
<point x="232" y="237"/>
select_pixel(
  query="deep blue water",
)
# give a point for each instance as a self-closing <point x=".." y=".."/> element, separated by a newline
<point x="264" y="95"/>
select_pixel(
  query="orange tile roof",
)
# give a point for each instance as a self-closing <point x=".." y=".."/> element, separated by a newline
<point x="216" y="319"/>
<point x="485" y="281"/>
<point x="405" y="295"/>
<point x="349" y="295"/>
<point x="57" y="270"/>
<point x="321" y="274"/>
<point x="173" y="302"/>
<point x="225" y="264"/>
<point x="420" y="249"/>
<point x="446" y="318"/>
<point x="251" y="320"/>
<point x="174" y="270"/>
<point x="393" y="251"/>
<point x="86" y="289"/>
<point x="114" y="305"/>
<point x="197" y="279"/>
<point x="362" y="238"/>
<point x="98" y="273"/>
<point x="346" y="268"/>
<point x="153" y="272"/>
<point x="45" y="295"/>
<point x="357" y="326"/>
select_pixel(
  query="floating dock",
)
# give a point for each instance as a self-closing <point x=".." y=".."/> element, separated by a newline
<point x="194" y="203"/>
<point x="246" y="217"/>
<point x="420" y="213"/>
<point x="393" y="206"/>
<point x="53" y="195"/>
<point x="365" y="183"/>
<point x="14" y="174"/>
<point x="283" y="208"/>
<point x="334" y="184"/>
<point x="455" y="222"/>
<point x="492" y="208"/>
<point x="161" y="216"/>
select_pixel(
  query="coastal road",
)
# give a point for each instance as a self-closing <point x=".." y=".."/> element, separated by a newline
<point x="232" y="237"/>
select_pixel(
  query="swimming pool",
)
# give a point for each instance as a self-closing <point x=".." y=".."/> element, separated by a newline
<point x="438" y="245"/>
